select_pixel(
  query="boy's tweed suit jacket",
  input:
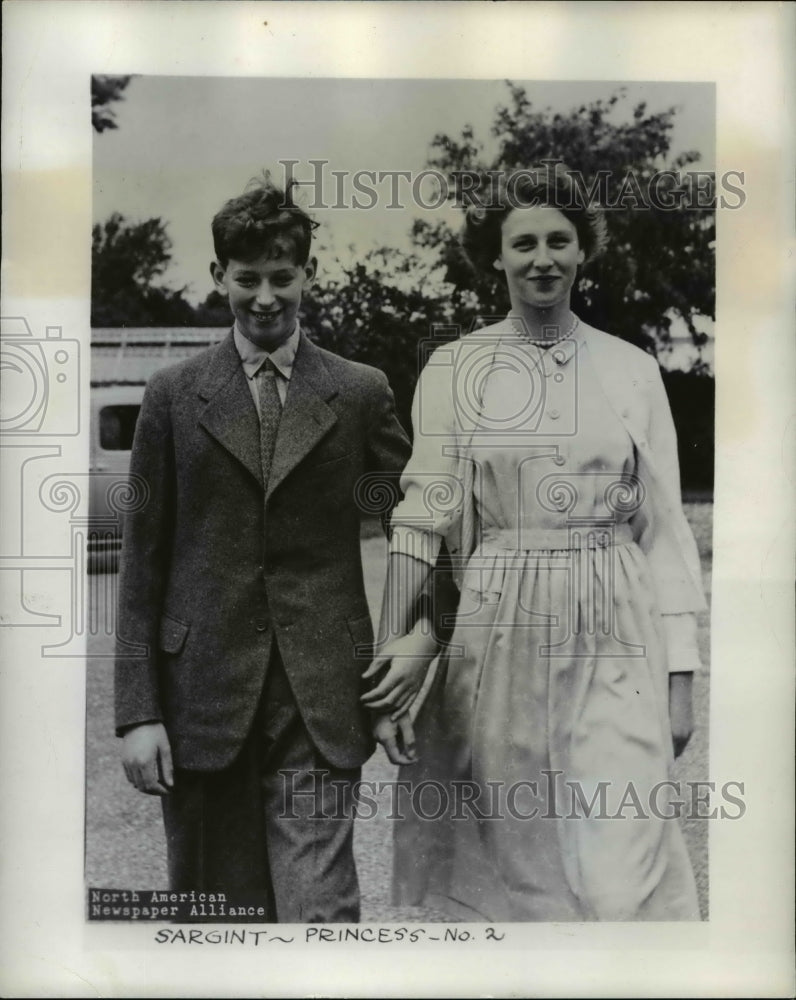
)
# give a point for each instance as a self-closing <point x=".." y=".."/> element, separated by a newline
<point x="213" y="567"/>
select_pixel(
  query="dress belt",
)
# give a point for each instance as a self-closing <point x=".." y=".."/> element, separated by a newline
<point x="588" y="536"/>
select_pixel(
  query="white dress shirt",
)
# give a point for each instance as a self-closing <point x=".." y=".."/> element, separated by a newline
<point x="252" y="358"/>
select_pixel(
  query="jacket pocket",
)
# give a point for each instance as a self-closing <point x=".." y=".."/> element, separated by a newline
<point x="172" y="634"/>
<point x="361" y="632"/>
<point x="328" y="464"/>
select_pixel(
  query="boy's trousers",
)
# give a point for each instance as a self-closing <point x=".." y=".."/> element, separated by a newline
<point x="277" y="823"/>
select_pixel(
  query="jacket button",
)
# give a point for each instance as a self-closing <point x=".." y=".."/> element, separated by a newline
<point x="554" y="414"/>
<point x="261" y="624"/>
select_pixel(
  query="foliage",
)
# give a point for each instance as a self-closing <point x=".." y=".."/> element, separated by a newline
<point x="388" y="304"/>
<point x="214" y="311"/>
<point x="126" y="260"/>
<point x="692" y="399"/>
<point x="379" y="312"/>
<point x="658" y="261"/>
<point x="106" y="90"/>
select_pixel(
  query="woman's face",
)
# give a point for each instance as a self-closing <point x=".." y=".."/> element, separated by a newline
<point x="539" y="253"/>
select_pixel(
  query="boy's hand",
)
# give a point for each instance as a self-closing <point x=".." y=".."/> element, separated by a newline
<point x="410" y="657"/>
<point x="146" y="755"/>
<point x="681" y="711"/>
<point x="397" y="738"/>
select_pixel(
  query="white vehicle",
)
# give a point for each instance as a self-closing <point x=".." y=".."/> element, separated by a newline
<point x="114" y="411"/>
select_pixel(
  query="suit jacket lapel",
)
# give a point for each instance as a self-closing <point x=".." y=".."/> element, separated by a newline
<point x="230" y="415"/>
<point x="306" y="417"/>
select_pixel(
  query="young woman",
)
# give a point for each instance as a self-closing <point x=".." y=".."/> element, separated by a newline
<point x="545" y="457"/>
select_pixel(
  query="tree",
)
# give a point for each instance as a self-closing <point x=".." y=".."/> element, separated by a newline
<point x="128" y="258"/>
<point x="380" y="311"/>
<point x="214" y="311"/>
<point x="106" y="90"/>
<point x="126" y="261"/>
<point x="660" y="261"/>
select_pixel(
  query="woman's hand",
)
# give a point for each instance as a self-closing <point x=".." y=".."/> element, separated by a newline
<point x="409" y="658"/>
<point x="397" y="738"/>
<point x="681" y="710"/>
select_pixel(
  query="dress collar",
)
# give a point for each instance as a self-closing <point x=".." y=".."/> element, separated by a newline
<point x="560" y="353"/>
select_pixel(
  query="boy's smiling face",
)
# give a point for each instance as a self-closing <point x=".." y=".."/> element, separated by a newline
<point x="264" y="295"/>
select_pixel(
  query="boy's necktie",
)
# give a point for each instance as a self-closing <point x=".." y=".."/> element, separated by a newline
<point x="270" y="412"/>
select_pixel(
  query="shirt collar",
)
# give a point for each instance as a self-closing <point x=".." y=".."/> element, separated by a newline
<point x="252" y="356"/>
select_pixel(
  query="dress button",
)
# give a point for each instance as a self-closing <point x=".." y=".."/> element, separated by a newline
<point x="554" y="414"/>
<point x="559" y="357"/>
<point x="559" y="460"/>
<point x="558" y="377"/>
<point x="261" y="624"/>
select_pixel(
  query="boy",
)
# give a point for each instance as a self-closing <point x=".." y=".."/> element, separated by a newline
<point x="241" y="577"/>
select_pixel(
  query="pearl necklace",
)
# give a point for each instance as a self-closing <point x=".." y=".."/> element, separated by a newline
<point x="524" y="335"/>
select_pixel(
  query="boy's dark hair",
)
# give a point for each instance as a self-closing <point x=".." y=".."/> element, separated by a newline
<point x="264" y="219"/>
<point x="550" y="185"/>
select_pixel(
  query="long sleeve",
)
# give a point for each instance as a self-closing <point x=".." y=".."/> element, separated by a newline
<point x="431" y="484"/>
<point x="388" y="446"/>
<point x="680" y="635"/>
<point x="144" y="564"/>
<point x="678" y="580"/>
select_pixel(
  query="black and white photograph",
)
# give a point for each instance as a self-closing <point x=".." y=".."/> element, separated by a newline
<point x="423" y="578"/>
<point x="254" y="559"/>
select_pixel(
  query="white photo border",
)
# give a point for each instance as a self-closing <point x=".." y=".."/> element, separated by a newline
<point x="50" y="50"/>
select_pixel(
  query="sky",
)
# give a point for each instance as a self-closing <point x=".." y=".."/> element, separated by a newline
<point x="185" y="144"/>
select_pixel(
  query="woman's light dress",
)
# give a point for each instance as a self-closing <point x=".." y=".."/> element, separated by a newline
<point x="546" y="735"/>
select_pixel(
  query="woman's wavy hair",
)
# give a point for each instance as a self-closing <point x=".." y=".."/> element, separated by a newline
<point x="263" y="220"/>
<point x="549" y="185"/>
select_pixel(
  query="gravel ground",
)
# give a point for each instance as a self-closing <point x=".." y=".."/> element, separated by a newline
<point x="124" y="838"/>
